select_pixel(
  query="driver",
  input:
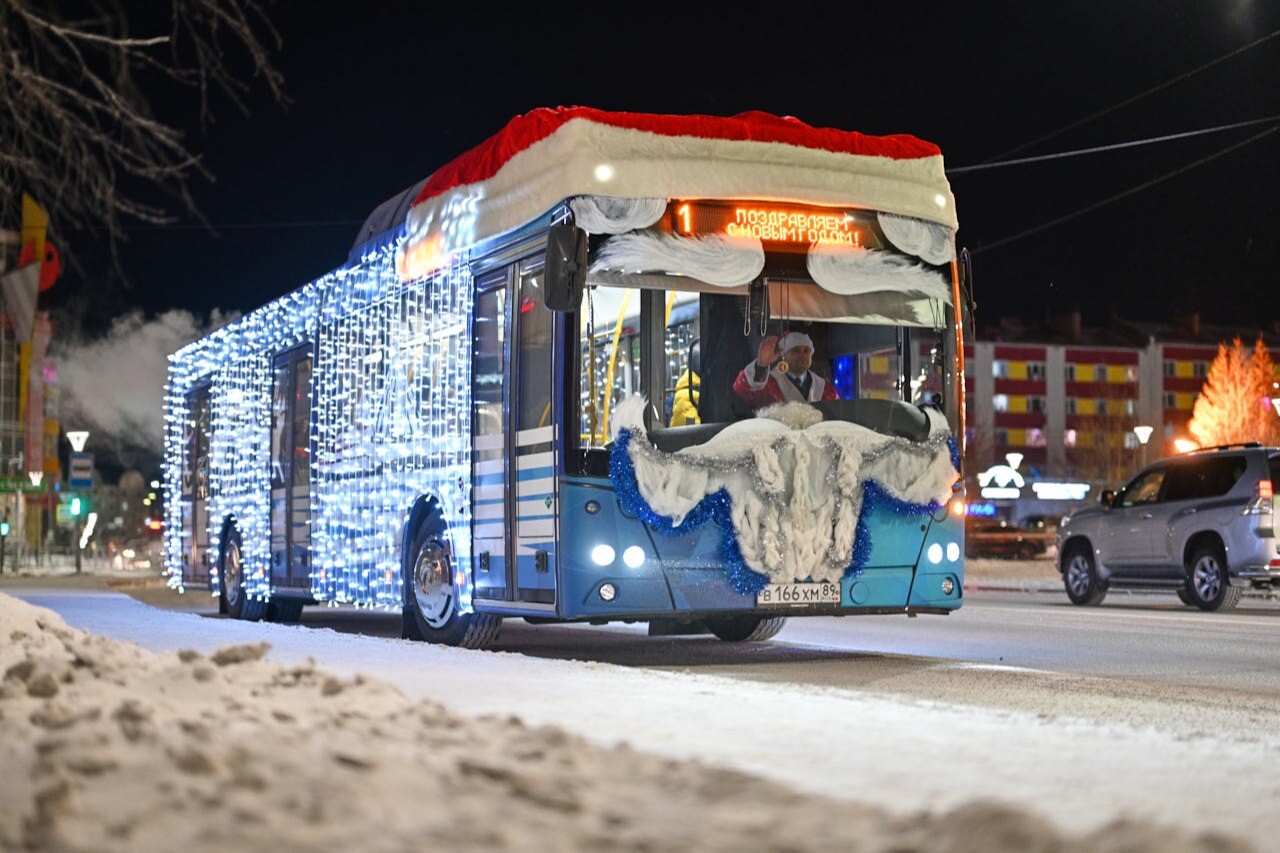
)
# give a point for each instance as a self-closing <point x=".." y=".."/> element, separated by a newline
<point x="770" y="379"/>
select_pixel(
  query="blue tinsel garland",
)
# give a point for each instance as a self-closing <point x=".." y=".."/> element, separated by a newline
<point x="717" y="507"/>
<point x="714" y="507"/>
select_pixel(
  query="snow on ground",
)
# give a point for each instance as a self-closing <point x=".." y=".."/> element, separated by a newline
<point x="107" y="746"/>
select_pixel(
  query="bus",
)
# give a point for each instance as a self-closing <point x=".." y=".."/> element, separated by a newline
<point x="547" y="383"/>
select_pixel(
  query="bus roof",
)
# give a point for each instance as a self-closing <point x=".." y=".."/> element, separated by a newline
<point x="549" y="154"/>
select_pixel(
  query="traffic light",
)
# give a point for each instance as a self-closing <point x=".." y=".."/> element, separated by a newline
<point x="4" y="526"/>
<point x="75" y="506"/>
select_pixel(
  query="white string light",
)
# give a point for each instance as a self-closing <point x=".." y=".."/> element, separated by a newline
<point x="391" y="422"/>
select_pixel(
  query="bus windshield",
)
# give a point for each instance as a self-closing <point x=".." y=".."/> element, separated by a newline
<point x="882" y="346"/>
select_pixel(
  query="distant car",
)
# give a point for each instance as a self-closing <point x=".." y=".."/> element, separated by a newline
<point x="993" y="537"/>
<point x="1202" y="525"/>
<point x="137" y="554"/>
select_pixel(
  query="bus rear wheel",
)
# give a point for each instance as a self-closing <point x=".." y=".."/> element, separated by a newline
<point x="235" y="598"/>
<point x="747" y="628"/>
<point x="431" y="599"/>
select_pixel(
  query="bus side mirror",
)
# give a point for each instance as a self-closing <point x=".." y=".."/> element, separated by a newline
<point x="566" y="268"/>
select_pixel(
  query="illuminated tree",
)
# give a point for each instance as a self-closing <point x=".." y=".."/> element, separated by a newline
<point x="1264" y="380"/>
<point x="76" y="130"/>
<point x="1235" y="403"/>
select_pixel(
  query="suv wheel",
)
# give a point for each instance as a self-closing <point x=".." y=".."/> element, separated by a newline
<point x="1080" y="576"/>
<point x="1207" y="584"/>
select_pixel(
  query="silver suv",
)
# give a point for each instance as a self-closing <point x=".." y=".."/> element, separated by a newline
<point x="1202" y="524"/>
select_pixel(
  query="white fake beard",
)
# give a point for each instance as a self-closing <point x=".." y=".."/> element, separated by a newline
<point x="795" y="490"/>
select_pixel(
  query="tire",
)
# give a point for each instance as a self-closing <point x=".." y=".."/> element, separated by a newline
<point x="747" y="628"/>
<point x="1208" y="584"/>
<point x="1080" y="577"/>
<point x="237" y="602"/>
<point x="1186" y="597"/>
<point x="285" y="610"/>
<point x="431" y="598"/>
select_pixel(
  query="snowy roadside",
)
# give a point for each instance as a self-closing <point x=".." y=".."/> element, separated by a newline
<point x="110" y="747"/>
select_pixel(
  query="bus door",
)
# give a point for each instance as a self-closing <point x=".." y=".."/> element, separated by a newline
<point x="514" y="432"/>
<point x="291" y="468"/>
<point x="195" y="487"/>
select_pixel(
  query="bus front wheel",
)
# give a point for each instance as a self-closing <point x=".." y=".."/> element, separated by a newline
<point x="737" y="629"/>
<point x="431" y="598"/>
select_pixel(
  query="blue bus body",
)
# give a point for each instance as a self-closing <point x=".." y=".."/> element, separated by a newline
<point x="441" y="443"/>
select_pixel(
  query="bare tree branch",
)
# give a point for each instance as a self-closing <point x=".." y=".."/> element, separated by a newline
<point x="76" y="130"/>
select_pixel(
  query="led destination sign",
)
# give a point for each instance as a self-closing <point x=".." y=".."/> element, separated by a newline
<point x="780" y="226"/>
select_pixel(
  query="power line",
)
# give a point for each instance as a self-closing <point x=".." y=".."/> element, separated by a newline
<point x="1146" y="185"/>
<point x="1166" y="84"/>
<point x="230" y="226"/>
<point x="977" y="167"/>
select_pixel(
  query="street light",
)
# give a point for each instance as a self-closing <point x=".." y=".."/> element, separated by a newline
<point x="76" y="474"/>
<point x="1143" y="432"/>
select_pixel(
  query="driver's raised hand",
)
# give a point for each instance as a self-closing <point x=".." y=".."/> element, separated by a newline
<point x="768" y="352"/>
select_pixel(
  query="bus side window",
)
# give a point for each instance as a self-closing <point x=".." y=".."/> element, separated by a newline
<point x="610" y="367"/>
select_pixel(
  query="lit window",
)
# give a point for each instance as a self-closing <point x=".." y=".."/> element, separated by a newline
<point x="1069" y="437"/>
<point x="1000" y="369"/>
<point x="1129" y="407"/>
<point x="1131" y="374"/>
<point x="1035" y="438"/>
<point x="1000" y="402"/>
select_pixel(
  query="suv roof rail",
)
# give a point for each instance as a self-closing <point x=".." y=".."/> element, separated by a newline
<point x="1228" y="446"/>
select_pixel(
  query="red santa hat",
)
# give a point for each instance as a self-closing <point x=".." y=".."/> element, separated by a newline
<point x="548" y="155"/>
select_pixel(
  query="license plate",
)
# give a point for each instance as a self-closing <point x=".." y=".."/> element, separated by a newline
<point x="798" y="594"/>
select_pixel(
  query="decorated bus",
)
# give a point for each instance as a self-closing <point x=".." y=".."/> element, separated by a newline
<point x="700" y="372"/>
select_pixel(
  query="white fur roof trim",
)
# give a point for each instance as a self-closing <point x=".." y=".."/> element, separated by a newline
<point x="609" y="215"/>
<point x="641" y="164"/>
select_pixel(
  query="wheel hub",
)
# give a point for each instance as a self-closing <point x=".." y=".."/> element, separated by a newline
<point x="1078" y="575"/>
<point x="433" y="585"/>
<point x="1207" y="579"/>
<point x="233" y="573"/>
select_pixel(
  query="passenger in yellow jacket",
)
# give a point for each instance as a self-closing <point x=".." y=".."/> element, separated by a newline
<point x="684" y="407"/>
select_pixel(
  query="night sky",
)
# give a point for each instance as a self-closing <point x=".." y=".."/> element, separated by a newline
<point x="385" y="95"/>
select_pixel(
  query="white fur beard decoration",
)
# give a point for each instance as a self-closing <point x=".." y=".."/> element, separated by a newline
<point x="848" y="270"/>
<point x="796" y="484"/>
<point x="715" y="259"/>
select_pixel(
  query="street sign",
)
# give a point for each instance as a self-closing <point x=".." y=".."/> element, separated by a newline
<point x="80" y="475"/>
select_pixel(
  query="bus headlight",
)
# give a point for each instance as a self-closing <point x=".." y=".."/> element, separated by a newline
<point x="935" y="553"/>
<point x="953" y="551"/>
<point x="633" y="557"/>
<point x="602" y="555"/>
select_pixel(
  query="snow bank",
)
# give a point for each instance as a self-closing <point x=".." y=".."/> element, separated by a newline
<point x="105" y="746"/>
